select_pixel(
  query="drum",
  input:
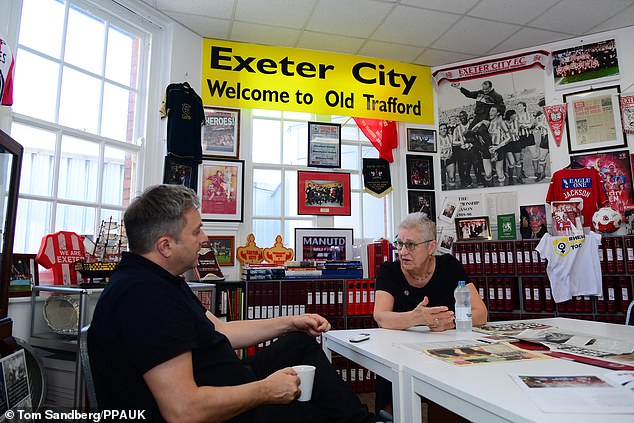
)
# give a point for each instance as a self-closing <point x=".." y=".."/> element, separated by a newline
<point x="61" y="313"/>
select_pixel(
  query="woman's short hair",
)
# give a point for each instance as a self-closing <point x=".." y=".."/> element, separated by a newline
<point x="158" y="212"/>
<point x="421" y="223"/>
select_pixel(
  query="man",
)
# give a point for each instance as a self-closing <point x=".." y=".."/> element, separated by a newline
<point x="154" y="347"/>
<point x="485" y="98"/>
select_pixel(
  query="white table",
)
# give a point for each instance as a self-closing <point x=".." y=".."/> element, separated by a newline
<point x="481" y="393"/>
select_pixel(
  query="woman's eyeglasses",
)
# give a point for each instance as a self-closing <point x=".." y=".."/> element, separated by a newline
<point x="409" y="246"/>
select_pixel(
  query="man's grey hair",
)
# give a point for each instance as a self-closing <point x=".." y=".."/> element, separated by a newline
<point x="421" y="223"/>
<point x="158" y="212"/>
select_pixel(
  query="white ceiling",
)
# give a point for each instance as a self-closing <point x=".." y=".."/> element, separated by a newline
<point x="425" y="32"/>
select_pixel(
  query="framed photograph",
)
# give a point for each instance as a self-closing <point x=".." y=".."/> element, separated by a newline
<point x="420" y="171"/>
<point x="221" y="132"/>
<point x="577" y="65"/>
<point x="533" y="221"/>
<point x="473" y="228"/>
<point x="180" y="172"/>
<point x="566" y="216"/>
<point x="616" y="177"/>
<point x="323" y="244"/>
<point x="594" y="120"/>
<point x="324" y="145"/>
<point x="423" y="202"/>
<point x="24" y="275"/>
<point x="449" y="210"/>
<point x="221" y="190"/>
<point x="446" y="239"/>
<point x="225" y="248"/>
<point x="323" y="193"/>
<point x="506" y="226"/>
<point x="421" y="140"/>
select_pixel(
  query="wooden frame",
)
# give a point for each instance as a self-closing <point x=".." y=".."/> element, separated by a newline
<point x="225" y="249"/>
<point x="178" y="172"/>
<point x="221" y="190"/>
<point x="421" y="140"/>
<point x="420" y="171"/>
<point x="594" y="120"/>
<point x="323" y="244"/>
<point x="473" y="228"/>
<point x="324" y="145"/>
<point x="24" y="267"/>
<point x="323" y="193"/>
<point x="221" y="133"/>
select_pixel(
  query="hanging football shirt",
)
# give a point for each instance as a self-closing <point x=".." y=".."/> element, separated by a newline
<point x="6" y="73"/>
<point x="582" y="185"/>
<point x="573" y="264"/>
<point x="183" y="108"/>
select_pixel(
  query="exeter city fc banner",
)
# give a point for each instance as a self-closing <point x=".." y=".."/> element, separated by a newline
<point x="262" y="77"/>
<point x="376" y="177"/>
<point x="493" y="67"/>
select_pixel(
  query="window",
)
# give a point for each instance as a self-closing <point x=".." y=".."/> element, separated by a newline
<point x="77" y="111"/>
<point x="279" y="149"/>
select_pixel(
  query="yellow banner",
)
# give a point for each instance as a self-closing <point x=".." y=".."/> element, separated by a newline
<point x="260" y="77"/>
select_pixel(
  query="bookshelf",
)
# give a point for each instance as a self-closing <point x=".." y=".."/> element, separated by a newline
<point x="346" y="303"/>
<point x="511" y="278"/>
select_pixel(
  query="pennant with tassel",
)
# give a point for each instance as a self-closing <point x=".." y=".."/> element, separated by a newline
<point x="382" y="134"/>
<point x="627" y="113"/>
<point x="556" y="118"/>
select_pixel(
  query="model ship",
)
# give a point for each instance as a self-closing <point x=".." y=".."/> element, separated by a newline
<point x="103" y="255"/>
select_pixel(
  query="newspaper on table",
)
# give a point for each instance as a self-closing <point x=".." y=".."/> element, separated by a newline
<point x="467" y="352"/>
<point x="576" y="393"/>
<point x="559" y="340"/>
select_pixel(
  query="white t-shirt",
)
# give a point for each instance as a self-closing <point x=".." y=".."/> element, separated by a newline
<point x="573" y="264"/>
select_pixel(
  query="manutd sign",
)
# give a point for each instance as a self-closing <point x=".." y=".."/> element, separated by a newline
<point x="260" y="77"/>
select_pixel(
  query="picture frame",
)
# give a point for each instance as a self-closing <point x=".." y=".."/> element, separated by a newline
<point x="506" y="227"/>
<point x="24" y="275"/>
<point x="422" y="201"/>
<point x="421" y="140"/>
<point x="533" y="222"/>
<point x="323" y="193"/>
<point x="323" y="244"/>
<point x="180" y="172"/>
<point x="420" y="171"/>
<point x="594" y="120"/>
<point x="473" y="228"/>
<point x="221" y="190"/>
<point x="221" y="132"/>
<point x="224" y="247"/>
<point x="324" y="145"/>
<point x="449" y="210"/>
<point x="446" y="238"/>
<point x="579" y="65"/>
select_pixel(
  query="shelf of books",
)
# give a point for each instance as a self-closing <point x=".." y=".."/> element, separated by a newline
<point x="346" y="303"/>
<point x="511" y="279"/>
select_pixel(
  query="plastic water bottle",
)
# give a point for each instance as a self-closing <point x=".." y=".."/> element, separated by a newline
<point x="462" y="294"/>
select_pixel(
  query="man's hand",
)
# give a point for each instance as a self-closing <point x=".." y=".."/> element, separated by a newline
<point x="282" y="386"/>
<point x="312" y="324"/>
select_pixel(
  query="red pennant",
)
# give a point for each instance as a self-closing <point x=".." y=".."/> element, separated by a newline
<point x="382" y="134"/>
<point x="556" y="118"/>
<point x="627" y="113"/>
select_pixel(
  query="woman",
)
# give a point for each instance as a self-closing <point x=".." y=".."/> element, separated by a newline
<point x="418" y="288"/>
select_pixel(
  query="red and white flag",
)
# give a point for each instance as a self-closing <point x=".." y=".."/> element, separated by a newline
<point x="627" y="113"/>
<point x="382" y="134"/>
<point x="556" y="118"/>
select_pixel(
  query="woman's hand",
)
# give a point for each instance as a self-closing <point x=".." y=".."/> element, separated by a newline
<point x="438" y="318"/>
